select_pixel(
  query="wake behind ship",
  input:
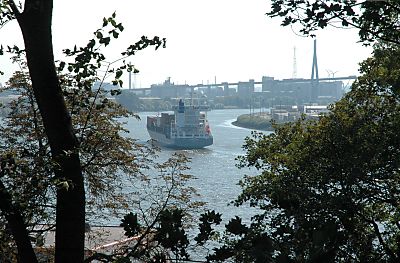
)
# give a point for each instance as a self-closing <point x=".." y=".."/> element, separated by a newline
<point x="186" y="128"/>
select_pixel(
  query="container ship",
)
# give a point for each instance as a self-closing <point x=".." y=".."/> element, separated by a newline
<point x="186" y="128"/>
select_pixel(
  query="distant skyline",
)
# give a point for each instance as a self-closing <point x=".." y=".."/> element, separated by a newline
<point x="208" y="40"/>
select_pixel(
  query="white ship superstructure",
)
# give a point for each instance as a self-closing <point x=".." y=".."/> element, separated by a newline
<point x="186" y="128"/>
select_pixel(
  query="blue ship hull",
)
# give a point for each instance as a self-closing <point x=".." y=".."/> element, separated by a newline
<point x="180" y="143"/>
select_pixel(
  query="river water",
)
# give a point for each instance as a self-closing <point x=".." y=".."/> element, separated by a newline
<point x="214" y="166"/>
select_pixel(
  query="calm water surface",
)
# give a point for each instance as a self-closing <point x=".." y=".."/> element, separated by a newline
<point x="214" y="166"/>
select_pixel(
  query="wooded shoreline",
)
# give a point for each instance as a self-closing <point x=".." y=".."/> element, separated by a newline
<point x="253" y="121"/>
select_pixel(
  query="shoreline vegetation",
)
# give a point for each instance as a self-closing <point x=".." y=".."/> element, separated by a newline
<point x="254" y="121"/>
<point x="264" y="120"/>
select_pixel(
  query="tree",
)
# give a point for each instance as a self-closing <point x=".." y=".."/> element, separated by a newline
<point x="120" y="174"/>
<point x="163" y="210"/>
<point x="166" y="240"/>
<point x="129" y="100"/>
<point x="109" y="160"/>
<point x="329" y="190"/>
<point x="35" y="23"/>
<point x="376" y="20"/>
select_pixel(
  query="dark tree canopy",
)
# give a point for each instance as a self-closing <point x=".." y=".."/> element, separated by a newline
<point x="61" y="136"/>
<point x="376" y="20"/>
<point x="330" y="189"/>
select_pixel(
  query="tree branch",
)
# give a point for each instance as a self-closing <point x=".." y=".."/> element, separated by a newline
<point x="379" y="236"/>
<point x="14" y="8"/>
<point x="18" y="228"/>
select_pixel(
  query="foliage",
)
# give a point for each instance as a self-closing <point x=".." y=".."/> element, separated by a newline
<point x="111" y="161"/>
<point x="232" y="101"/>
<point x="376" y="20"/>
<point x="254" y="121"/>
<point x="205" y="229"/>
<point x="34" y="19"/>
<point x="169" y="241"/>
<point x="329" y="190"/>
<point x="27" y="183"/>
<point x="170" y="233"/>
<point x="163" y="208"/>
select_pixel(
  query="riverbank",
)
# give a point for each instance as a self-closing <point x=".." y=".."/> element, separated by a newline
<point x="254" y="121"/>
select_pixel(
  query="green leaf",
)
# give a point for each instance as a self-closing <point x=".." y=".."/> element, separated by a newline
<point x="61" y="65"/>
<point x="115" y="92"/>
<point x="105" y="22"/>
<point x="236" y="227"/>
<point x="105" y="41"/>
<point x="99" y="35"/>
<point x="91" y="43"/>
<point x="113" y="23"/>
<point x="207" y="220"/>
<point x="131" y="225"/>
<point x="118" y="74"/>
<point x="120" y="27"/>
<point x="115" y="34"/>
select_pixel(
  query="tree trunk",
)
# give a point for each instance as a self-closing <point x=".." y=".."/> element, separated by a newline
<point x="35" y="23"/>
<point x="17" y="226"/>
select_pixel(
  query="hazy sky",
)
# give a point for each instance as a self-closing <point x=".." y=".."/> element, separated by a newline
<point x="232" y="40"/>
